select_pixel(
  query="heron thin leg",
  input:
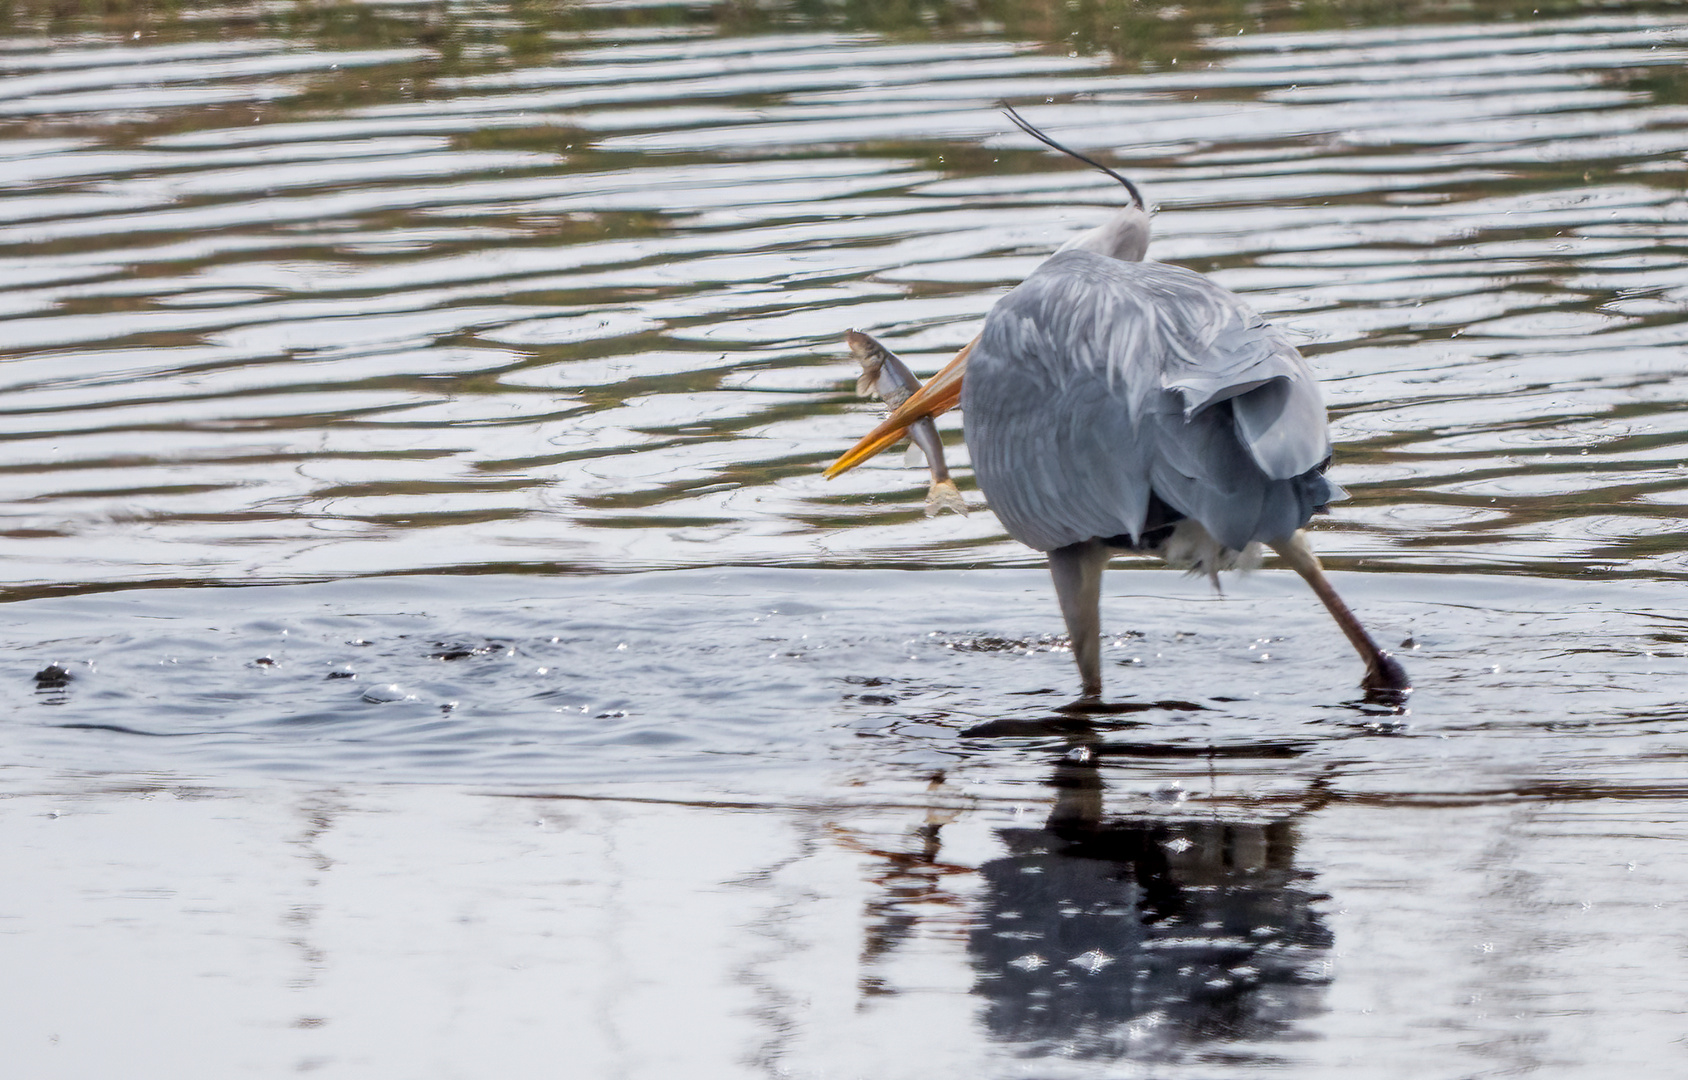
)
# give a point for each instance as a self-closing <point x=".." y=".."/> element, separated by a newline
<point x="1077" y="570"/>
<point x="1383" y="672"/>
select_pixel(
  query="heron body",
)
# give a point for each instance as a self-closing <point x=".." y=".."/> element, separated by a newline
<point x="1167" y="395"/>
<point x="1115" y="405"/>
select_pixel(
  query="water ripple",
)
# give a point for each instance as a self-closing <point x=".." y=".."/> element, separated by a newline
<point x="279" y="308"/>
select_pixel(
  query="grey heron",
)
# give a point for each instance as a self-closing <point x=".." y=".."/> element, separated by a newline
<point x="1116" y="405"/>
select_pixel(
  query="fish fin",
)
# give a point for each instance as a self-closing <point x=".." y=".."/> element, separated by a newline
<point x="914" y="457"/>
<point x="943" y="495"/>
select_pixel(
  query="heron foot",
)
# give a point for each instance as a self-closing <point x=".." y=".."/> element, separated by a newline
<point x="1088" y="702"/>
<point x="1386" y="681"/>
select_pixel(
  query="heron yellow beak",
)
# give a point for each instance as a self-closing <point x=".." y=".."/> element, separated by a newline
<point x="940" y="394"/>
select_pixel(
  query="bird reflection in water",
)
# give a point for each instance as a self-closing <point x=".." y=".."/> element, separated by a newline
<point x="913" y="889"/>
<point x="1145" y="939"/>
<point x="1155" y="939"/>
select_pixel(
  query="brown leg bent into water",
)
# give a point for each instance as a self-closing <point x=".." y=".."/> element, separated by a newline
<point x="1384" y="674"/>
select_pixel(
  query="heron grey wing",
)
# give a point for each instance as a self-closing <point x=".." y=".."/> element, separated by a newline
<point x="1054" y="485"/>
<point x="1214" y="348"/>
<point x="1202" y="469"/>
<point x="1284" y="427"/>
<point x="1276" y="404"/>
<point x="1053" y="443"/>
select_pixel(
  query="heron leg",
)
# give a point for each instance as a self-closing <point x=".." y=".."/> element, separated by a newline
<point x="1077" y="570"/>
<point x="1384" y="674"/>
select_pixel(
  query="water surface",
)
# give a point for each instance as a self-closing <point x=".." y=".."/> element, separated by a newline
<point x="284" y="309"/>
<point x="430" y="646"/>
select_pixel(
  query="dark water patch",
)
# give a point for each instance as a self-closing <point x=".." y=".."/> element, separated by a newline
<point x="777" y="681"/>
<point x="122" y="730"/>
<point x="53" y="677"/>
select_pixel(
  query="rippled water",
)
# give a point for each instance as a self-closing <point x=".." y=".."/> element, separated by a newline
<point x="279" y="311"/>
<point x="412" y="428"/>
<point x="791" y="686"/>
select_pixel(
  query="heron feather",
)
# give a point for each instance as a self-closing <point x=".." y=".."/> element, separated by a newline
<point x="1097" y="383"/>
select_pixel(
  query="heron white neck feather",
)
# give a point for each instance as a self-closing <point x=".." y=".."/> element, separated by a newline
<point x="1125" y="237"/>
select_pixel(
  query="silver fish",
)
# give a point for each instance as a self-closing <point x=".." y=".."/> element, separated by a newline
<point x="886" y="377"/>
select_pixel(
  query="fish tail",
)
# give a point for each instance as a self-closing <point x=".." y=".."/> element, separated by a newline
<point x="943" y="495"/>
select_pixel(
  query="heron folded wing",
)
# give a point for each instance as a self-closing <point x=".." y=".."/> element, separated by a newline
<point x="1276" y="404"/>
<point x="1283" y="425"/>
<point x="1201" y="468"/>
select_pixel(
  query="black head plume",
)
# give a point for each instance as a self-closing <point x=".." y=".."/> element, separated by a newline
<point x="1024" y="125"/>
